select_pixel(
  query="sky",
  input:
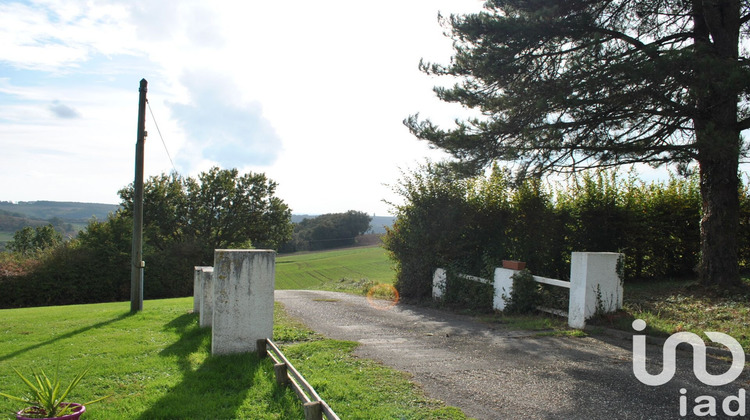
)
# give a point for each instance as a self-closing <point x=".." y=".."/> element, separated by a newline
<point x="312" y="93"/>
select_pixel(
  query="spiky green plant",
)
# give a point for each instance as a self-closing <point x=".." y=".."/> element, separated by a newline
<point x="46" y="395"/>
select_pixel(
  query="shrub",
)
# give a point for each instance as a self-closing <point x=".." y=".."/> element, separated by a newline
<point x="526" y="294"/>
<point x="474" y="223"/>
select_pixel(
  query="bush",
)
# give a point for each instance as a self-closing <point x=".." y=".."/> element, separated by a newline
<point x="467" y="293"/>
<point x="430" y="229"/>
<point x="449" y="221"/>
<point x="526" y="294"/>
<point x="185" y="220"/>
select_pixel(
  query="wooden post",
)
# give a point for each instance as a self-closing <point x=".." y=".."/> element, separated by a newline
<point x="313" y="410"/>
<point x="282" y="378"/>
<point x="262" y="351"/>
<point x="136" y="274"/>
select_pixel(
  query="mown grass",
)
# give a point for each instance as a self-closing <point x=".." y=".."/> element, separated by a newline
<point x="157" y="365"/>
<point x="351" y="269"/>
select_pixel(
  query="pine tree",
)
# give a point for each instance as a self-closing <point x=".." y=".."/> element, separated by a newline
<point x="563" y="85"/>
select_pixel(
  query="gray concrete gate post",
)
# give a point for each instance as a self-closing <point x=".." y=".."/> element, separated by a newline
<point x="207" y="297"/>
<point x="243" y="299"/>
<point x="197" y="293"/>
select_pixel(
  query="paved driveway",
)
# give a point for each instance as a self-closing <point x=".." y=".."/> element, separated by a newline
<point x="494" y="373"/>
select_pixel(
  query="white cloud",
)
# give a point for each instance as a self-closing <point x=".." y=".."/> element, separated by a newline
<point x="55" y="36"/>
<point x="220" y="127"/>
<point x="61" y="110"/>
<point x="313" y="93"/>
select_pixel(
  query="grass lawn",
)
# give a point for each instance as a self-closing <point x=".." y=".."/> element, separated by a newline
<point x="351" y="269"/>
<point x="157" y="365"/>
<point x="672" y="306"/>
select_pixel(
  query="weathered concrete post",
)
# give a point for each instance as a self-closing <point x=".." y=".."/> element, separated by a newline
<point x="243" y="299"/>
<point x="207" y="297"/>
<point x="503" y="287"/>
<point x="197" y="292"/>
<point x="594" y="285"/>
<point x="438" y="283"/>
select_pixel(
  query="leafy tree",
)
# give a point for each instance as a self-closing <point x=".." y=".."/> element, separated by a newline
<point x="225" y="209"/>
<point x="219" y="209"/>
<point x="29" y="239"/>
<point x="22" y="240"/>
<point x="333" y="230"/>
<point x="431" y="228"/>
<point x="565" y="85"/>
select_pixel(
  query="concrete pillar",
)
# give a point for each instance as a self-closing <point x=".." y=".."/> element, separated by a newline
<point x="594" y="285"/>
<point x="438" y="283"/>
<point x="207" y="297"/>
<point x="243" y="299"/>
<point x="197" y="292"/>
<point x="503" y="287"/>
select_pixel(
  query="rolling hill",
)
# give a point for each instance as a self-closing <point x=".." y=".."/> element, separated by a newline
<point x="73" y="216"/>
<point x="69" y="212"/>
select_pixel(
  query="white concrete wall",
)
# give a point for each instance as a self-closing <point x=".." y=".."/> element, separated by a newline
<point x="243" y="299"/>
<point x="594" y="284"/>
<point x="207" y="297"/>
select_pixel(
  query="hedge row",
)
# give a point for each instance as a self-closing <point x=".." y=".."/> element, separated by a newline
<point x="473" y="224"/>
<point x="93" y="268"/>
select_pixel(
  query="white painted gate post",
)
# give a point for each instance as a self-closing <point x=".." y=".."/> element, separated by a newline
<point x="243" y="299"/>
<point x="503" y="287"/>
<point x="207" y="297"/>
<point x="438" y="284"/>
<point x="594" y="284"/>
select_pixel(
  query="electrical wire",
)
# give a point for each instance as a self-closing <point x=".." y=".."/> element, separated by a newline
<point x="161" y="137"/>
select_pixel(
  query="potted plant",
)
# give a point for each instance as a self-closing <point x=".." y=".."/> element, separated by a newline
<point x="46" y="398"/>
<point x="514" y="265"/>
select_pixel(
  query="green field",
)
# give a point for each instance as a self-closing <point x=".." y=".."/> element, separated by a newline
<point x="157" y="365"/>
<point x="348" y="269"/>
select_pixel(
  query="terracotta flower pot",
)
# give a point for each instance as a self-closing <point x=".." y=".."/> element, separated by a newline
<point x="78" y="409"/>
<point x="514" y="265"/>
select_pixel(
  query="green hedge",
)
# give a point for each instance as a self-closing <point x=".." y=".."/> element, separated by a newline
<point x="94" y="268"/>
<point x="473" y="224"/>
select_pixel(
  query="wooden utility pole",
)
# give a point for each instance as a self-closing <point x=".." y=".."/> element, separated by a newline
<point x="136" y="274"/>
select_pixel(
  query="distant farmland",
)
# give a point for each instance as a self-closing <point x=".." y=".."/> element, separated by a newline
<point x="345" y="269"/>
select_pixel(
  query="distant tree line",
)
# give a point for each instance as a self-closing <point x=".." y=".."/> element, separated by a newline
<point x="334" y="230"/>
<point x="31" y="240"/>
<point x="185" y="219"/>
<point x="472" y="224"/>
<point x="15" y="222"/>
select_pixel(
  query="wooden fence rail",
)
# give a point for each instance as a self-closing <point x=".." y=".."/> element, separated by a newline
<point x="287" y="375"/>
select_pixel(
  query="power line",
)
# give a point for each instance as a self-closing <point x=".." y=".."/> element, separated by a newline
<point x="161" y="137"/>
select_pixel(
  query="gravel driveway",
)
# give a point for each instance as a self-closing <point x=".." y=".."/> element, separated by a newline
<point x="494" y="373"/>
